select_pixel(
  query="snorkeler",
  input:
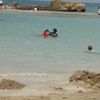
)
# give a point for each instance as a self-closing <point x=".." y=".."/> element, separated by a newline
<point x="90" y="47"/>
<point x="53" y="33"/>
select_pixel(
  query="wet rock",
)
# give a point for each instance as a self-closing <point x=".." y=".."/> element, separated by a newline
<point x="10" y="84"/>
<point x="91" y="78"/>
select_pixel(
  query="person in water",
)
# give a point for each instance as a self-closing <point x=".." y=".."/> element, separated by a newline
<point x="90" y="47"/>
<point x="53" y="33"/>
<point x="46" y="33"/>
<point x="91" y="50"/>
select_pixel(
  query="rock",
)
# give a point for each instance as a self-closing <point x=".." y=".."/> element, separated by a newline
<point x="67" y="6"/>
<point x="80" y="91"/>
<point x="55" y="5"/>
<point x="79" y="76"/>
<point x="91" y="78"/>
<point x="10" y="84"/>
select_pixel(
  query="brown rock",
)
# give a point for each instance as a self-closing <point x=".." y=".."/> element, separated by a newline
<point x="67" y="6"/>
<point x="10" y="84"/>
<point x="91" y="78"/>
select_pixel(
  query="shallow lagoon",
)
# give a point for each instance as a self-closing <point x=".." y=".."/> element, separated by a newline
<point x="23" y="51"/>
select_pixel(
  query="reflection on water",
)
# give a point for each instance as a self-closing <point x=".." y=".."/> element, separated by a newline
<point x="93" y="52"/>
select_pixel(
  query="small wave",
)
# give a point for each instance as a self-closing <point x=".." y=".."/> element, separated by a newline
<point x="93" y="52"/>
<point x="34" y="75"/>
<point x="37" y="79"/>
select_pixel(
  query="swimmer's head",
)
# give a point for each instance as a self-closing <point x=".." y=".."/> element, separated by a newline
<point x="46" y="30"/>
<point x="54" y="30"/>
<point x="90" y="47"/>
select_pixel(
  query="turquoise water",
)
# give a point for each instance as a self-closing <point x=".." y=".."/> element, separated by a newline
<point x="23" y="51"/>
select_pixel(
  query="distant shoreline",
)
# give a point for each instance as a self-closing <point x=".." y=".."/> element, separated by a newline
<point x="89" y="14"/>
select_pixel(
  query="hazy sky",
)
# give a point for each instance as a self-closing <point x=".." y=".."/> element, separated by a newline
<point x="93" y="1"/>
<point x="96" y="1"/>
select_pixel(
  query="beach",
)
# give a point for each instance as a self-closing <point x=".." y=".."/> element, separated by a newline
<point x="45" y="65"/>
<point x="79" y="90"/>
<point x="75" y="96"/>
<point x="64" y="91"/>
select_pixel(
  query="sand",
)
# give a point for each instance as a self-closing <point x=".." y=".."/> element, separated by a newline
<point x="61" y="92"/>
<point x="95" y="95"/>
<point x="64" y="91"/>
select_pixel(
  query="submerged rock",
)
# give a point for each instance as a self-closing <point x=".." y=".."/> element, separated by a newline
<point x="10" y="84"/>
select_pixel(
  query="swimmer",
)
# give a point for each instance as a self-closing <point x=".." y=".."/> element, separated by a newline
<point x="46" y="33"/>
<point x="90" y="47"/>
<point x="90" y="50"/>
<point x="53" y="33"/>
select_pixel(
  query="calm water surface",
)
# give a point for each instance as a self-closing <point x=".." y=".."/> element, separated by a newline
<point x="23" y="51"/>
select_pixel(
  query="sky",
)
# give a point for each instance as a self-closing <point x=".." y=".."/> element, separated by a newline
<point x="93" y="1"/>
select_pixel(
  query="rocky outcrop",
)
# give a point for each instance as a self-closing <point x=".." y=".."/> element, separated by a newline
<point x="55" y="5"/>
<point x="10" y="84"/>
<point x="91" y="78"/>
<point x="67" y="6"/>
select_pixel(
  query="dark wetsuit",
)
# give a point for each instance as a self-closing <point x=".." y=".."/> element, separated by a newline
<point x="53" y="34"/>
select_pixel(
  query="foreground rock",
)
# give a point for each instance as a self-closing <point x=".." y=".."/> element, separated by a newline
<point x="10" y="84"/>
<point x="90" y="78"/>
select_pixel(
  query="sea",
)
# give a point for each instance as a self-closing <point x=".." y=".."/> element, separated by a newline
<point x="24" y="53"/>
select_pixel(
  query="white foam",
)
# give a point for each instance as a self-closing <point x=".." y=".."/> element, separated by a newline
<point x="36" y="79"/>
